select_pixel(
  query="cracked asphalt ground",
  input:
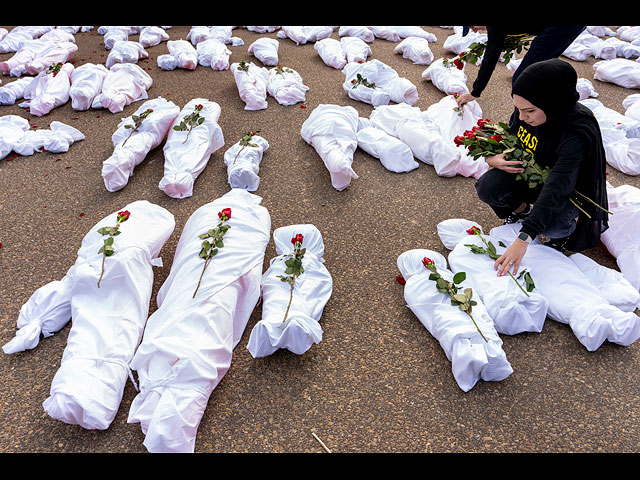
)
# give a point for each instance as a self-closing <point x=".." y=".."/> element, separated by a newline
<point x="378" y="381"/>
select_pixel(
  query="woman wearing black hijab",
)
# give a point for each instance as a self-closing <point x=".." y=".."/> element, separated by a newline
<point x="563" y="135"/>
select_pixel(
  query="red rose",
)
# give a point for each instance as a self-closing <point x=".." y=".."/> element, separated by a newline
<point x="482" y="122"/>
<point x="497" y="138"/>
<point x="469" y="134"/>
<point x="427" y="261"/>
<point x="123" y="216"/>
<point x="225" y="214"/>
<point x="473" y="230"/>
<point x="459" y="140"/>
<point x="198" y="107"/>
<point x="297" y="238"/>
<point x="400" y="279"/>
<point x="458" y="64"/>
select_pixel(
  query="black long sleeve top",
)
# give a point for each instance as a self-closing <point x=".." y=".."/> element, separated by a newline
<point x="495" y="42"/>
<point x="576" y="160"/>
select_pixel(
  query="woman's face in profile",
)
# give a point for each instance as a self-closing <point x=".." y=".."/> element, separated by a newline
<point x="529" y="113"/>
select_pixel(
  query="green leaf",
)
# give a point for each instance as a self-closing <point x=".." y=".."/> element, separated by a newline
<point x="459" y="297"/>
<point x="206" y="245"/>
<point x="434" y="276"/>
<point x="459" y="277"/>
<point x="468" y="292"/>
<point x="108" y="253"/>
<point x="219" y="243"/>
<point x="501" y="243"/>
<point x="108" y="241"/>
<point x="101" y="249"/>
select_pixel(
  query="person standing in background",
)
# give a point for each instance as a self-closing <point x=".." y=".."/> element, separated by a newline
<point x="549" y="42"/>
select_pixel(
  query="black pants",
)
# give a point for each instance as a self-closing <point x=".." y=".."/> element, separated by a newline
<point x="551" y="42"/>
<point x="504" y="194"/>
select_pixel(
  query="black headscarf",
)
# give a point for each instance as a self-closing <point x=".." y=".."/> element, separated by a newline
<point x="551" y="86"/>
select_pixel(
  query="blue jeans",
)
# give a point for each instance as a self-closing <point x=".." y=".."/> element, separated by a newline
<point x="504" y="194"/>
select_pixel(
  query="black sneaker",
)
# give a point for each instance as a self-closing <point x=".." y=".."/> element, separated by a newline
<point x="515" y="217"/>
<point x="559" y="244"/>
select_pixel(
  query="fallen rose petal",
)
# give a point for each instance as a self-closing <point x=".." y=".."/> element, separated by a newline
<point x="400" y="279"/>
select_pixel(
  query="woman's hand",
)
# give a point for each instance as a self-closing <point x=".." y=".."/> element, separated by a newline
<point x="465" y="98"/>
<point x="500" y="162"/>
<point x="511" y="257"/>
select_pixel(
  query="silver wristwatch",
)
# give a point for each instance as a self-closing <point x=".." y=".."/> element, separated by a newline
<point x="524" y="237"/>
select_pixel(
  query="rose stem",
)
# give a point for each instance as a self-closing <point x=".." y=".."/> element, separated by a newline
<point x="206" y="262"/>
<point x="102" y="272"/>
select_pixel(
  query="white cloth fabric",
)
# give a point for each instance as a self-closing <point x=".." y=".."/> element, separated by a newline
<point x="107" y="321"/>
<point x="188" y="342"/>
<point x="252" y="85"/>
<point x="449" y="80"/>
<point x="331" y="53"/>
<point x="262" y="29"/>
<point x="113" y="34"/>
<point x="48" y="91"/>
<point x="312" y="290"/>
<point x="424" y="138"/>
<point x="17" y="36"/>
<point x="631" y="104"/>
<point x="620" y="136"/>
<point x="213" y="53"/>
<point x="131" y="148"/>
<point x="573" y="298"/>
<point x="125" y="51"/>
<point x="400" y="89"/>
<point x="184" y="53"/>
<point x="286" y="86"/>
<point x="511" y="310"/>
<point x="585" y="89"/>
<point x="451" y="124"/>
<point x="628" y="33"/>
<point x="394" y="155"/>
<point x="472" y="358"/>
<point x="12" y="129"/>
<point x="13" y="91"/>
<point x="305" y="34"/>
<point x="125" y="84"/>
<point x="152" y="35"/>
<point x="355" y="49"/>
<point x="457" y="43"/>
<point x="86" y="85"/>
<point x="332" y="131"/>
<point x="374" y="96"/>
<point x="397" y="33"/>
<point x="622" y="48"/>
<point x="185" y="159"/>
<point x="265" y="49"/>
<point x="243" y="163"/>
<point x="619" y="71"/>
<point x="36" y="55"/>
<point x="621" y="238"/>
<point x="611" y="284"/>
<point x="415" y="49"/>
<point x="362" y="32"/>
<point x="56" y="139"/>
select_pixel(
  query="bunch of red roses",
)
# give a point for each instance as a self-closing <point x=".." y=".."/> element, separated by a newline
<point x="294" y="267"/>
<point x="487" y="139"/>
<point x="213" y="241"/>
<point x="107" y="249"/>
<point x="511" y="45"/>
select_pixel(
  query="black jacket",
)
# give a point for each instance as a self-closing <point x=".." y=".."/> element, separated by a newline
<point x="572" y="147"/>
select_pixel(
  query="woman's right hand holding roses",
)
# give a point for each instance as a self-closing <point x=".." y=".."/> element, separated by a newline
<point x="500" y="162"/>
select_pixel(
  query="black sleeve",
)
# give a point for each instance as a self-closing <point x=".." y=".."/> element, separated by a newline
<point x="495" y="43"/>
<point x="559" y="185"/>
